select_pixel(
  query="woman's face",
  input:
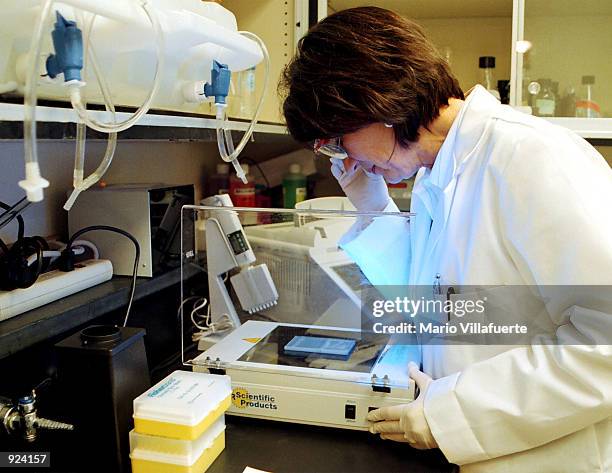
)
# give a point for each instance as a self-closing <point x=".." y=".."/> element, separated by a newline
<point x="375" y="149"/>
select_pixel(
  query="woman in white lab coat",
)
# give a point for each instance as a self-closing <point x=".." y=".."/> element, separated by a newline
<point x="501" y="198"/>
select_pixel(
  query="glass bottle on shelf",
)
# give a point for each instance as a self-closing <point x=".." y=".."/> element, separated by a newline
<point x="218" y="183"/>
<point x="545" y="99"/>
<point x="486" y="64"/>
<point x="503" y="87"/>
<point x="526" y="93"/>
<point x="294" y="186"/>
<point x="567" y="106"/>
<point x="586" y="107"/>
<point x="243" y="195"/>
<point x="533" y="89"/>
<point x="555" y="91"/>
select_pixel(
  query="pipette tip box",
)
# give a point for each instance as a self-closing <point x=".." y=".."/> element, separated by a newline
<point x="179" y="424"/>
<point x="183" y="405"/>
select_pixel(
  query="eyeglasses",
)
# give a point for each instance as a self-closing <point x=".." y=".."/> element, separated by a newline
<point x="332" y="148"/>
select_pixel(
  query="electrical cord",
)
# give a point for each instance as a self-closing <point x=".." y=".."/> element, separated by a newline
<point x="205" y="326"/>
<point x="13" y="212"/>
<point x="199" y="302"/>
<point x="187" y="299"/>
<point x="8" y="208"/>
<point x="175" y="357"/>
<point x="182" y="332"/>
<point x="67" y="263"/>
<point x="202" y="302"/>
<point x="27" y="258"/>
<point x="208" y="326"/>
<point x="17" y="268"/>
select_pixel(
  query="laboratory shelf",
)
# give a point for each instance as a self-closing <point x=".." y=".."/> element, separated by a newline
<point x="59" y="123"/>
<point x="32" y="327"/>
<point x="56" y="122"/>
<point x="590" y="128"/>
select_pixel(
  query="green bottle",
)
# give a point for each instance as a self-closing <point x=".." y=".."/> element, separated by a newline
<point x="294" y="186"/>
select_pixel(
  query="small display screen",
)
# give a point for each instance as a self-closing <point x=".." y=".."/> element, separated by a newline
<point x="238" y="242"/>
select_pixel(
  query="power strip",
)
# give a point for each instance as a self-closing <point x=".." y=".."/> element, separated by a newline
<point x="54" y="285"/>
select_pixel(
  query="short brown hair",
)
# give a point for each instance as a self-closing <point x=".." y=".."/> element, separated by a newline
<point x="362" y="66"/>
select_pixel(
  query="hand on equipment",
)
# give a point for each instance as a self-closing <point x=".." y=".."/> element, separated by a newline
<point x="406" y="422"/>
<point x="367" y="192"/>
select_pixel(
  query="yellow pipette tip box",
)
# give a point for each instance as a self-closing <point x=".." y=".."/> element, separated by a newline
<point x="183" y="405"/>
<point x="152" y="454"/>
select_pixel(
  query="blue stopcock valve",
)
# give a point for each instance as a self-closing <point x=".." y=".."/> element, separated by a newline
<point x="219" y="83"/>
<point x="68" y="45"/>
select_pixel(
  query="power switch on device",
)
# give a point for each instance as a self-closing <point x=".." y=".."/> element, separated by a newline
<point x="350" y="411"/>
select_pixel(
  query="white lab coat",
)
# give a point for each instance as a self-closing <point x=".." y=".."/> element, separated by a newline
<point x="516" y="200"/>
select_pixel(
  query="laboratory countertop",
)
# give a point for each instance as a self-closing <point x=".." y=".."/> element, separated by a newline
<point x="55" y="318"/>
<point x="281" y="447"/>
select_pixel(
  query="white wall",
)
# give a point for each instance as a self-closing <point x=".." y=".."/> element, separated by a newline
<point x="470" y="38"/>
<point x="272" y="21"/>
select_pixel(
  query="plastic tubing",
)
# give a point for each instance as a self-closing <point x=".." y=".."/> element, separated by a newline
<point x="33" y="183"/>
<point x="224" y="135"/>
<point x="79" y="155"/>
<point x="79" y="183"/>
<point x="8" y="87"/>
<point x="81" y="131"/>
<point x="75" y="89"/>
<point x="226" y="148"/>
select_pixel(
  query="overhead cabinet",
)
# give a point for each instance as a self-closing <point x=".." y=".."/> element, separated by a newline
<point x="555" y="54"/>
